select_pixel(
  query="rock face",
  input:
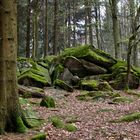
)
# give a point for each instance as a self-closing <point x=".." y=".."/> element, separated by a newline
<point x="83" y="67"/>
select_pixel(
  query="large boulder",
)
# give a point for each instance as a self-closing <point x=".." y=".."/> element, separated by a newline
<point x="90" y="54"/>
<point x="33" y="77"/>
<point x="82" y="68"/>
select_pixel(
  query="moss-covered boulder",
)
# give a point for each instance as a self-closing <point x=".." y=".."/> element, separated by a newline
<point x="63" y="85"/>
<point x="31" y="117"/>
<point x="95" y="85"/>
<point x="47" y="102"/>
<point x="33" y="77"/>
<point x="82" y="68"/>
<point x="57" y="122"/>
<point x="89" y="85"/>
<point x="119" y="81"/>
<point x="90" y="54"/>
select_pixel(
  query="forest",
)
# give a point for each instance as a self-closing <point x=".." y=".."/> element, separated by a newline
<point x="69" y="69"/>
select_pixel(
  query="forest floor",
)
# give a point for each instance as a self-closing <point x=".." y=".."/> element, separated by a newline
<point x="92" y="119"/>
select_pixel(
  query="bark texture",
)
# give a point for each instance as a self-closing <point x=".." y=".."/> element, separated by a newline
<point x="10" y="114"/>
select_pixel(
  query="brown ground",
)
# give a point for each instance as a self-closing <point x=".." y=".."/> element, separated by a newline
<point x="91" y="119"/>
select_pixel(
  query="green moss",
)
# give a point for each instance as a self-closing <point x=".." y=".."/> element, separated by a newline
<point x="89" y="85"/>
<point x="104" y="110"/>
<point x="128" y="118"/>
<point x="34" y="75"/>
<point x="50" y="58"/>
<point x="55" y="71"/>
<point x="57" y="122"/>
<point x="70" y="127"/>
<point x="119" y="64"/>
<point x="104" y="86"/>
<point x="43" y="71"/>
<point x="20" y="127"/>
<point x="40" y="136"/>
<point x="87" y="52"/>
<point x="132" y="92"/>
<point x="94" y="95"/>
<point x="48" y="102"/>
<point x="122" y="99"/>
<point x="63" y="85"/>
<point x="45" y="65"/>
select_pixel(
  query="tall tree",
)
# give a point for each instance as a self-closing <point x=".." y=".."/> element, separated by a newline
<point x="55" y="27"/>
<point x="89" y="8"/>
<point x="28" y="29"/>
<point x="97" y="22"/>
<point x="86" y="21"/>
<point x="132" y="16"/>
<point x="133" y="41"/>
<point x="35" y="29"/>
<point x="116" y="34"/>
<point x="46" y="29"/>
<point x="10" y="113"/>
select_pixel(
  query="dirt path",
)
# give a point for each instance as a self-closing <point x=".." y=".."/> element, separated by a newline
<point x="91" y="119"/>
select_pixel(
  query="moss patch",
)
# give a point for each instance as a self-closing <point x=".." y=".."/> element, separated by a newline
<point x="63" y="85"/>
<point x="32" y="76"/>
<point x="47" y="102"/>
<point x="57" y="122"/>
<point x="89" y="85"/>
<point x="90" y="54"/>
<point x="40" y="136"/>
<point x="122" y="100"/>
<point x="20" y="127"/>
<point x="70" y="127"/>
<point x="127" y="118"/>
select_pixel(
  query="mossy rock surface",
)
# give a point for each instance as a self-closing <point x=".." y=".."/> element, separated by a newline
<point x="92" y="96"/>
<point x="19" y="125"/>
<point x="97" y="95"/>
<point x="57" y="122"/>
<point x="89" y="85"/>
<point x="31" y="117"/>
<point x="55" y="71"/>
<point x="63" y="85"/>
<point x="127" y="118"/>
<point x="95" y="85"/>
<point x="33" y="78"/>
<point x="122" y="100"/>
<point x="47" y="102"/>
<point x="90" y="54"/>
<point x="70" y="127"/>
<point x="120" y="81"/>
<point x="40" y="136"/>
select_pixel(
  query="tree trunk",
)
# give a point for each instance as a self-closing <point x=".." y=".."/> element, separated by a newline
<point x="116" y="35"/>
<point x="46" y="29"/>
<point x="132" y="15"/>
<point x="55" y="27"/>
<point x="97" y="23"/>
<point x="35" y="31"/>
<point x="28" y="30"/>
<point x="74" y="23"/>
<point x="69" y="24"/>
<point x="86" y="21"/>
<point x="90" y="21"/>
<point x="10" y="112"/>
<point x="133" y="41"/>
